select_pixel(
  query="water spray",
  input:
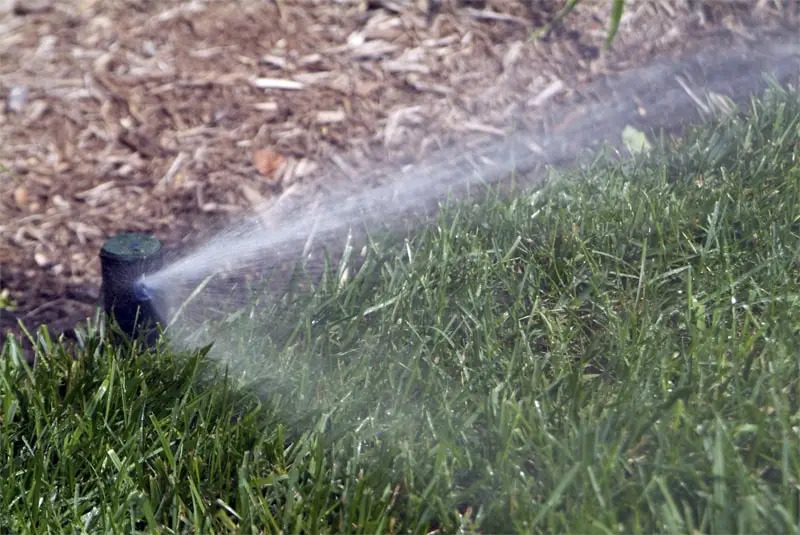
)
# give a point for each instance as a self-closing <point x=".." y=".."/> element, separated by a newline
<point x="125" y="260"/>
<point x="664" y="96"/>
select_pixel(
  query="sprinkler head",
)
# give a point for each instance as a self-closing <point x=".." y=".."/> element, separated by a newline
<point x="125" y="261"/>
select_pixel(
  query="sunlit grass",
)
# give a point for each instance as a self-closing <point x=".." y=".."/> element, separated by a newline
<point x="617" y="352"/>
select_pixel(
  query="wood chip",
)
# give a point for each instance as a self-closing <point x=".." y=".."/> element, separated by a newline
<point x="17" y="97"/>
<point x="276" y="83"/>
<point x="42" y="260"/>
<point x="83" y="231"/>
<point x="485" y="14"/>
<point x="310" y="59"/>
<point x="474" y="126"/>
<point x="97" y="191"/>
<point x="330" y="116"/>
<point x="426" y="87"/>
<point x="252" y="195"/>
<point x="172" y="171"/>
<point x="266" y="106"/>
<point x="512" y="54"/>
<point x="305" y="167"/>
<point x="411" y="60"/>
<point x="372" y="50"/>
<point x="60" y="202"/>
<point x="549" y="92"/>
<point x="36" y="111"/>
<point x="275" y="61"/>
<point x="315" y="78"/>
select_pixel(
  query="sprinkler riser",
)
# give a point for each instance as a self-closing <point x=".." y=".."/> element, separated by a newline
<point x="125" y="260"/>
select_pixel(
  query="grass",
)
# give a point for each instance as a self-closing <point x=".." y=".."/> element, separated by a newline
<point x="614" y="18"/>
<point x="615" y="353"/>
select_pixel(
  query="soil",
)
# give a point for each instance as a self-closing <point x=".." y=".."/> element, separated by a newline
<point x="173" y="117"/>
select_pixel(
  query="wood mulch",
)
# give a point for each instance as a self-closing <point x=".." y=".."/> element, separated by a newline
<point x="172" y="117"/>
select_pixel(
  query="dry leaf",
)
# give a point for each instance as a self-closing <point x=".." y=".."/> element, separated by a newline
<point x="267" y="161"/>
<point x="21" y="197"/>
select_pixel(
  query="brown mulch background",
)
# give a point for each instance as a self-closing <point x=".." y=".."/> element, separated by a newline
<point x="171" y="117"/>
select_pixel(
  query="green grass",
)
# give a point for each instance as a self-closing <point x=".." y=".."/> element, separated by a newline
<point x="614" y="18"/>
<point x="615" y="353"/>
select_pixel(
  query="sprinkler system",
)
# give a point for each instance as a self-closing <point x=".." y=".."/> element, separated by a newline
<point x="125" y="260"/>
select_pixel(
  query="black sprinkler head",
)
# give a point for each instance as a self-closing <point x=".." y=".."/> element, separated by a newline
<point x="125" y="261"/>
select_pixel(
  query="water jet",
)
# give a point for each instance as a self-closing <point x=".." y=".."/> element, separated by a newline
<point x="126" y="259"/>
<point x="308" y="228"/>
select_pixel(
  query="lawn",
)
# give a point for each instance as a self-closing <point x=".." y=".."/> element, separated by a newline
<point x="616" y="352"/>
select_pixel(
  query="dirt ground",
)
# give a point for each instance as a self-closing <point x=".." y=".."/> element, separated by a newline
<point x="172" y="117"/>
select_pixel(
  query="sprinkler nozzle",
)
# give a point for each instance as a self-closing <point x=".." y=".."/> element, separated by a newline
<point x="125" y="261"/>
<point x="141" y="290"/>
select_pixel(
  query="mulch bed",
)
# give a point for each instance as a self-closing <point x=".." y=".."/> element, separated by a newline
<point x="173" y="117"/>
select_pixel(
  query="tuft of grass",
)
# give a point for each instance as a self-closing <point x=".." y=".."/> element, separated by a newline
<point x="616" y="352"/>
<point x="614" y="18"/>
